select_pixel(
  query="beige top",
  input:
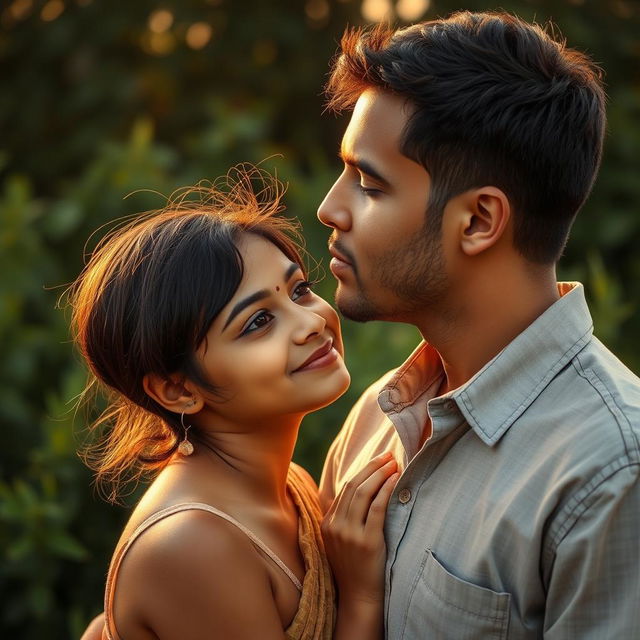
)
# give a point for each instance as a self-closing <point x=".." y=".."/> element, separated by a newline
<point x="315" y="616"/>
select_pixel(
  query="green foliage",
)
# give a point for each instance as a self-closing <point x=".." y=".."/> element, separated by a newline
<point x="94" y="106"/>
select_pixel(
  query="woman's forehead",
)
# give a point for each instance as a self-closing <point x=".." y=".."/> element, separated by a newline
<point x="265" y="265"/>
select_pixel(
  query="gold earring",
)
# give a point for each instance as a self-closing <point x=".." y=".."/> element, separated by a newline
<point x="185" y="448"/>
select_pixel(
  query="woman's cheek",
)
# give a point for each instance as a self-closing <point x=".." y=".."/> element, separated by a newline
<point x="263" y="361"/>
<point x="333" y="322"/>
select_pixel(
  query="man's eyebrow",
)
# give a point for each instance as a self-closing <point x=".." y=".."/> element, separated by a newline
<point x="258" y="295"/>
<point x="364" y="167"/>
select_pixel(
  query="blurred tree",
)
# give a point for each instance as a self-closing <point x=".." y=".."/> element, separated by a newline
<point x="101" y="99"/>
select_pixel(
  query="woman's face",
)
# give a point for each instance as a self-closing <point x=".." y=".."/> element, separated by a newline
<point x="276" y="348"/>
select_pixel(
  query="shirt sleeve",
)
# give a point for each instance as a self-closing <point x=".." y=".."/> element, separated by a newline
<point x="354" y="441"/>
<point x="327" y="480"/>
<point x="348" y="443"/>
<point x="594" y="585"/>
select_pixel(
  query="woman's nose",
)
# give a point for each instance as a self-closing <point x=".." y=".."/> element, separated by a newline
<point x="311" y="324"/>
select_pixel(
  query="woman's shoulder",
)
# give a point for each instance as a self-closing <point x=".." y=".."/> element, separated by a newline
<point x="176" y="484"/>
<point x="189" y="539"/>
<point x="184" y="555"/>
<point x="178" y="528"/>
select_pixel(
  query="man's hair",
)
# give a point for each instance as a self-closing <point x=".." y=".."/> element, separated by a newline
<point x="495" y="101"/>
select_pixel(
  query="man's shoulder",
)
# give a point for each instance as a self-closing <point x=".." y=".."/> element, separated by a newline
<point x="612" y="383"/>
<point x="611" y="401"/>
<point x="604" y="365"/>
<point x="586" y="420"/>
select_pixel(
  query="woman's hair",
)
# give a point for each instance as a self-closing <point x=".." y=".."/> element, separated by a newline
<point x="495" y="101"/>
<point x="146" y="299"/>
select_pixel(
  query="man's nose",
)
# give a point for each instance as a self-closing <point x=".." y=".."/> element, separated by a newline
<point x="334" y="210"/>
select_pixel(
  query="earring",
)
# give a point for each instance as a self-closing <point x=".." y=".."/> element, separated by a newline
<point x="185" y="448"/>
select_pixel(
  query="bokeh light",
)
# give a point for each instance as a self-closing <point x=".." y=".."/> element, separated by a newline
<point x="20" y="9"/>
<point x="410" y="10"/>
<point x="317" y="9"/>
<point x="52" y="10"/>
<point x="376" y="10"/>
<point x="198" y="35"/>
<point x="160" y="21"/>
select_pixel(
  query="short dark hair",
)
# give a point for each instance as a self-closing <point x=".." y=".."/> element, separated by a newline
<point x="495" y="101"/>
<point x="146" y="299"/>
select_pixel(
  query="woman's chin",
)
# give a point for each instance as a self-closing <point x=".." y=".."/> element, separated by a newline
<point x="336" y="391"/>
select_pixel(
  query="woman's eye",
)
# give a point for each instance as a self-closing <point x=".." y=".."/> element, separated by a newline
<point x="302" y="289"/>
<point x="259" y="321"/>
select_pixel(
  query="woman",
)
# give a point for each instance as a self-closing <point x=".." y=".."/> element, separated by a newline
<point x="202" y="325"/>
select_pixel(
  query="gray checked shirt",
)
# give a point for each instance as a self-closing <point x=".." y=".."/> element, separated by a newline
<point x="519" y="517"/>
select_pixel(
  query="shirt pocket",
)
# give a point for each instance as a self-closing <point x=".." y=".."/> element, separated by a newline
<point x="442" y="606"/>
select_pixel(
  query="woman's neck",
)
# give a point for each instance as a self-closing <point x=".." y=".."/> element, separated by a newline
<point x="255" y="459"/>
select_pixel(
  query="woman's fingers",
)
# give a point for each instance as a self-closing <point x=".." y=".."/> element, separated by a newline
<point x="354" y="500"/>
<point x="343" y="498"/>
<point x="353" y="530"/>
<point x="363" y="495"/>
<point x="378" y="507"/>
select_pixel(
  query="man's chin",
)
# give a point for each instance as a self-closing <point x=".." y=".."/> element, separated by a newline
<point x="355" y="307"/>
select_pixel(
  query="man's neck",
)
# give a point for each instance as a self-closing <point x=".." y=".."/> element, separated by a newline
<point x="484" y="320"/>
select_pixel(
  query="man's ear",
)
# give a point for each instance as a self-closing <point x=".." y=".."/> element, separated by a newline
<point x="172" y="394"/>
<point x="484" y="220"/>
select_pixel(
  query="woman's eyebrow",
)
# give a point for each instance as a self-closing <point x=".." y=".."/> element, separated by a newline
<point x="258" y="295"/>
<point x="291" y="269"/>
<point x="244" y="303"/>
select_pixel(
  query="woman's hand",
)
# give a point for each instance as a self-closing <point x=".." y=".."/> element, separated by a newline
<point x="353" y="533"/>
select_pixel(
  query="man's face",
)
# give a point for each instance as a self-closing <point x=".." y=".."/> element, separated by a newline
<point x="388" y="263"/>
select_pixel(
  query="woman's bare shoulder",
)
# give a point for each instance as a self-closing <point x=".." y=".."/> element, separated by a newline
<point x="194" y="574"/>
<point x="175" y="537"/>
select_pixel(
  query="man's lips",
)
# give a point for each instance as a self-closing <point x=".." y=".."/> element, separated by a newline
<point x="337" y="255"/>
<point x="339" y="264"/>
<point x="318" y="357"/>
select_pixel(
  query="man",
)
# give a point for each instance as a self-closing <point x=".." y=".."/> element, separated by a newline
<point x="473" y="143"/>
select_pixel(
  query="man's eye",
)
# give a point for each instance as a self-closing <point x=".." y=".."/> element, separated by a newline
<point x="368" y="191"/>
<point x="302" y="289"/>
<point x="262" y="319"/>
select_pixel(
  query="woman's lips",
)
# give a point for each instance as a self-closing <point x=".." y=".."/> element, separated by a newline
<point x="322" y="357"/>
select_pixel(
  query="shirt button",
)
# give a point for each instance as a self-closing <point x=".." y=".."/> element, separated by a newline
<point x="404" y="496"/>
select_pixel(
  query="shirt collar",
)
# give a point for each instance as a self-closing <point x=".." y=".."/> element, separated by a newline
<point x="493" y="399"/>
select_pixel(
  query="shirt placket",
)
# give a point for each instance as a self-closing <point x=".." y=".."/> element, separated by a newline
<point x="444" y="420"/>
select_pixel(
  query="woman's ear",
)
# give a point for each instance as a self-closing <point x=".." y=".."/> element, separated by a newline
<point x="171" y="394"/>
<point x="485" y="218"/>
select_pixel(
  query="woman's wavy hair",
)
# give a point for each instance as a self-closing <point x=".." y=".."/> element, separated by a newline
<point x="494" y="101"/>
<point x="145" y="301"/>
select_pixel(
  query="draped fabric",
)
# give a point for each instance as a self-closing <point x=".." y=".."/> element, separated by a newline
<point x="316" y="613"/>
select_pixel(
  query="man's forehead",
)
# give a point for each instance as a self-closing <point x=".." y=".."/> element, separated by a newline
<point x="378" y="117"/>
<point x="376" y="112"/>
